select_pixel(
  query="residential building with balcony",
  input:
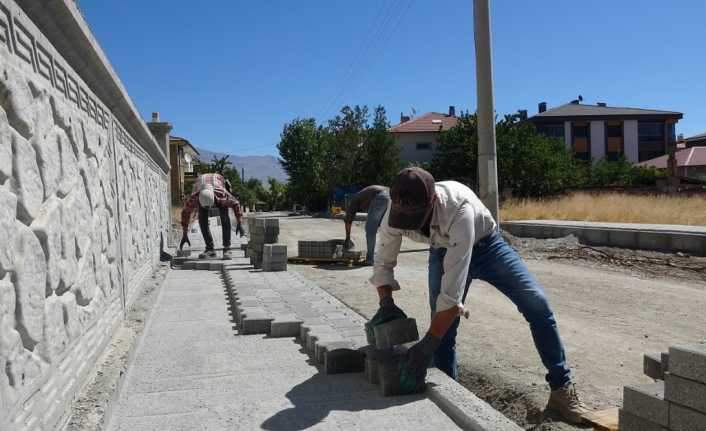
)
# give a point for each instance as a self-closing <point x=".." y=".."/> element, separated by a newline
<point x="595" y="132"/>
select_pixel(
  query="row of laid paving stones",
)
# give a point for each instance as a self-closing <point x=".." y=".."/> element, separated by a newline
<point x="284" y="304"/>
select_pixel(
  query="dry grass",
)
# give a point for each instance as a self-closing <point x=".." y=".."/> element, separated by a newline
<point x="610" y="207"/>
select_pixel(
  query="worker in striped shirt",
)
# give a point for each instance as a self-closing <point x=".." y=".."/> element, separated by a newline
<point x="211" y="190"/>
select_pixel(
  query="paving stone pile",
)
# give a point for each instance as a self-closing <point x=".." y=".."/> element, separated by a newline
<point x="261" y="231"/>
<point x="677" y="399"/>
<point x="274" y="257"/>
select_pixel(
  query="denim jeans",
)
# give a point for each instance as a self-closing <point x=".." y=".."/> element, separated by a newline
<point x="376" y="212"/>
<point x="206" y="231"/>
<point x="495" y="262"/>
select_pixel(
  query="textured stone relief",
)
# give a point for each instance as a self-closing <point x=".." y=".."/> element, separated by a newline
<point x="64" y="211"/>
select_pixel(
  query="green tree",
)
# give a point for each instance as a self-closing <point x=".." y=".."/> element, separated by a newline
<point x="277" y="194"/>
<point x="457" y="156"/>
<point x="220" y="164"/>
<point x="343" y="139"/>
<point x="302" y="157"/>
<point x="380" y="158"/>
<point x="530" y="163"/>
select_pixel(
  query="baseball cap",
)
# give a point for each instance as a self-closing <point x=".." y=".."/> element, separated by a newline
<point x="411" y="193"/>
<point x="206" y="197"/>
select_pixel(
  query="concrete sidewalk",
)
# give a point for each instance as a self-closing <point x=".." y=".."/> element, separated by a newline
<point x="193" y="371"/>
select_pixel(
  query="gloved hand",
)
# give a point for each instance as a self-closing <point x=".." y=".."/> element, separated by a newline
<point x="387" y="312"/>
<point x="239" y="230"/>
<point x="413" y="368"/>
<point x="348" y="244"/>
<point x="184" y="240"/>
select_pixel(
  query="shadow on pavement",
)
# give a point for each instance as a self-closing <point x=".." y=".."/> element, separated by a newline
<point x="315" y="398"/>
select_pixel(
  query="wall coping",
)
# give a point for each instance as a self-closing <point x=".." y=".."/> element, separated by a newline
<point x="63" y="24"/>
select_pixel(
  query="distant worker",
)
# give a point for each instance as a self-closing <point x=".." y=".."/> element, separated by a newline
<point x="465" y="245"/>
<point x="210" y="190"/>
<point x="373" y="200"/>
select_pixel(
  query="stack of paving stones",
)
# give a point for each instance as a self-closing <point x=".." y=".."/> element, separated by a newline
<point x="388" y="344"/>
<point x="326" y="250"/>
<point x="274" y="257"/>
<point x="676" y="401"/>
<point x="262" y="231"/>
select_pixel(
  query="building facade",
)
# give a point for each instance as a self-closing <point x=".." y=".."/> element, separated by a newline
<point x="595" y="132"/>
<point x="695" y="141"/>
<point x="182" y="157"/>
<point x="419" y="137"/>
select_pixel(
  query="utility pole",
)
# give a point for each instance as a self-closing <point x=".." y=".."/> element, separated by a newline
<point x="487" y="161"/>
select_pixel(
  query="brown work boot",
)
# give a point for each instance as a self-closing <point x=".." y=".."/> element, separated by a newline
<point x="566" y="402"/>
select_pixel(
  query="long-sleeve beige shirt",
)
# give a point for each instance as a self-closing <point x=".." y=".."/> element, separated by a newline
<point x="459" y="221"/>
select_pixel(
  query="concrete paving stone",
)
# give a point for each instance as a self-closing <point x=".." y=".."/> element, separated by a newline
<point x="189" y="264"/>
<point x="271" y="300"/>
<point x="467" y="410"/>
<point x="688" y="362"/>
<point x="344" y="324"/>
<point x="665" y="362"/>
<point x="285" y="327"/>
<point x="215" y="266"/>
<point x="202" y="265"/>
<point x="371" y="371"/>
<point x="255" y="325"/>
<point x="312" y="338"/>
<point x="652" y="365"/>
<point x="389" y="375"/>
<point x="395" y="332"/>
<point x="339" y="359"/>
<point x="630" y="422"/>
<point x="685" y="419"/>
<point x="647" y="402"/>
<point x="685" y="392"/>
<point x="322" y="344"/>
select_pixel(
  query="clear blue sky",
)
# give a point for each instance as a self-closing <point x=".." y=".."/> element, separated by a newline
<point x="228" y="74"/>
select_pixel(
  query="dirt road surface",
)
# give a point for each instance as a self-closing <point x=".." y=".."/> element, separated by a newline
<point x="608" y="318"/>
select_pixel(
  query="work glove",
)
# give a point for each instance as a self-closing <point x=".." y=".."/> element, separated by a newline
<point x="387" y="312"/>
<point x="184" y="240"/>
<point x="413" y="368"/>
<point x="239" y="230"/>
<point x="348" y="244"/>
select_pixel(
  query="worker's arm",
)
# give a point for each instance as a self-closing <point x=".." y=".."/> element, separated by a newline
<point x="387" y="247"/>
<point x="449" y="303"/>
<point x="189" y="206"/>
<point x="457" y="261"/>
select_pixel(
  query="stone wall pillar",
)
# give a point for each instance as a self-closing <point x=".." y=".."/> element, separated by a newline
<point x="160" y="130"/>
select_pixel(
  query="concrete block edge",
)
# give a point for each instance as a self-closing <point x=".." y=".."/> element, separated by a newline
<point x="463" y="407"/>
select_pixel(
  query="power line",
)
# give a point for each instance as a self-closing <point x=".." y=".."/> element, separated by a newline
<point x="375" y="43"/>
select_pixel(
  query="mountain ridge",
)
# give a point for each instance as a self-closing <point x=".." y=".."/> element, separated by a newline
<point x="259" y="167"/>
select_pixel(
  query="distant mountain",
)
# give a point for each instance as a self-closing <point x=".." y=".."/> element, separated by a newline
<point x="259" y="167"/>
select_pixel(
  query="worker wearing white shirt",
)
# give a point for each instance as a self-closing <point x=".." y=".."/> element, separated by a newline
<point x="465" y="245"/>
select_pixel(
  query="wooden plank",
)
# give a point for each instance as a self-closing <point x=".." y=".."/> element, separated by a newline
<point x="603" y="420"/>
<point x="315" y="260"/>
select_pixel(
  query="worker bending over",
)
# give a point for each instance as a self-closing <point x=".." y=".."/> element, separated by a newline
<point x="211" y="190"/>
<point x="465" y="245"/>
<point x="373" y="200"/>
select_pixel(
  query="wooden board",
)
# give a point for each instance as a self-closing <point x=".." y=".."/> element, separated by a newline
<point x="603" y="420"/>
<point x="316" y="260"/>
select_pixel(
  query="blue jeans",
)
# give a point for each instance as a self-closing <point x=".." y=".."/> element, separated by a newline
<point x="376" y="212"/>
<point x="495" y="262"/>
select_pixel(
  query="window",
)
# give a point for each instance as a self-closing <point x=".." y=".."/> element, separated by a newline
<point x="552" y="130"/>
<point x="614" y="140"/>
<point x="650" y="136"/>
<point x="581" y="137"/>
<point x="423" y="146"/>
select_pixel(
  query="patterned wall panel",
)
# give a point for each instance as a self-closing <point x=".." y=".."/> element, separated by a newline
<point x="82" y="207"/>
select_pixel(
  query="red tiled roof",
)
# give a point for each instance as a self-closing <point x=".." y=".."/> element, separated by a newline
<point x="688" y="157"/>
<point x="429" y="122"/>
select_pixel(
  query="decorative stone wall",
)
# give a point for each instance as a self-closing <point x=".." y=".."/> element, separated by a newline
<point x="82" y="209"/>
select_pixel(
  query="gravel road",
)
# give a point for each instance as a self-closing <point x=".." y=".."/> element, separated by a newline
<point x="608" y="318"/>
